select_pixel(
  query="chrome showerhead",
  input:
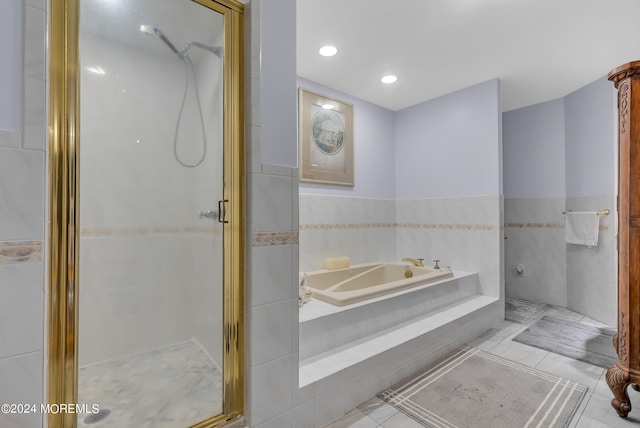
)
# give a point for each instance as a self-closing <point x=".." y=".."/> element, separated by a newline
<point x="153" y="31"/>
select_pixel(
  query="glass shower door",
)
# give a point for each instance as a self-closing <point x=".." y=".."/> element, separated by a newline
<point x="150" y="341"/>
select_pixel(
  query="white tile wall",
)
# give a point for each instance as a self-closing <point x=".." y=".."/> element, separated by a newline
<point x="580" y="278"/>
<point x="10" y="139"/>
<point x="271" y="297"/>
<point x="22" y="194"/>
<point x="537" y="241"/>
<point x="21" y="309"/>
<point x="145" y="254"/>
<point x="22" y="218"/>
<point x="22" y="383"/>
<point x="592" y="273"/>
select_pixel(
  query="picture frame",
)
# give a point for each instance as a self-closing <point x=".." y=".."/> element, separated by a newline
<point x="325" y="127"/>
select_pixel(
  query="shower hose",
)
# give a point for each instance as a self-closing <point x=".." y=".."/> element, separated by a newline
<point x="187" y="63"/>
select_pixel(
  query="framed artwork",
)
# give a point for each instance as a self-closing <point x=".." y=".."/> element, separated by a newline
<point x="325" y="138"/>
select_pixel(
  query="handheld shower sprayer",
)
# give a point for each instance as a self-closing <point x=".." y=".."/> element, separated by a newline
<point x="183" y="55"/>
<point x="153" y="31"/>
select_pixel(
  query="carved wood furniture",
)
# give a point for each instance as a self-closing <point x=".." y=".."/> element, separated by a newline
<point x="626" y="371"/>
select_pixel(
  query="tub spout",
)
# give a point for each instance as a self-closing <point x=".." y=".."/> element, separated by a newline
<point x="415" y="262"/>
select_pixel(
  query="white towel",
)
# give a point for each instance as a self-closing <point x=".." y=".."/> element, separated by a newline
<point x="304" y="292"/>
<point x="583" y="228"/>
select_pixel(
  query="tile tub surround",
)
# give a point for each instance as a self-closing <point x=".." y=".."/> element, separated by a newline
<point x="324" y="327"/>
<point x="463" y="232"/>
<point x="386" y="358"/>
<point x="332" y="226"/>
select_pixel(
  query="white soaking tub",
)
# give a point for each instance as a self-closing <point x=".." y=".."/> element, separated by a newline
<point x="342" y="287"/>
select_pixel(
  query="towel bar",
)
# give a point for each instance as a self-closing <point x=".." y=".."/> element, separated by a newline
<point x="603" y="212"/>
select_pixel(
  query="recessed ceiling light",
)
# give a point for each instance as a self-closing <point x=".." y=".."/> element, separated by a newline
<point x="327" y="106"/>
<point x="389" y="78"/>
<point x="328" y="50"/>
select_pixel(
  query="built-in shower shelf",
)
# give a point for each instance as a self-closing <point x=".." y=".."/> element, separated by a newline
<point x="371" y="350"/>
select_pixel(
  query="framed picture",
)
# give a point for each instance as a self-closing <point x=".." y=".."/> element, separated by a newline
<point x="326" y="139"/>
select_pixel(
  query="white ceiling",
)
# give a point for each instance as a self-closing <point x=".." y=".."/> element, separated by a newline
<point x="539" y="49"/>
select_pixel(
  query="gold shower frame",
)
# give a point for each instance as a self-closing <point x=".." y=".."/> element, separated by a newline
<point x="64" y="126"/>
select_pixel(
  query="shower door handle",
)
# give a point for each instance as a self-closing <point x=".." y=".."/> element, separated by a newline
<point x="222" y="211"/>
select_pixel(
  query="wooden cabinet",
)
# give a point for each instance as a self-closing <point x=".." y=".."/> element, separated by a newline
<point x="626" y="371"/>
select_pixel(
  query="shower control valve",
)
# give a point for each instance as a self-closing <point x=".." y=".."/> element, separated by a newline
<point x="209" y="214"/>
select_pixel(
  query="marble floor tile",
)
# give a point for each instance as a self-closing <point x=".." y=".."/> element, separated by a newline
<point x="523" y="354"/>
<point x="400" y="420"/>
<point x="595" y="411"/>
<point x="378" y="410"/>
<point x="354" y="419"/>
<point x="172" y="386"/>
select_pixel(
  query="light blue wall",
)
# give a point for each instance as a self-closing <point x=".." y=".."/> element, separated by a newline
<point x="591" y="140"/>
<point x="374" y="151"/>
<point x="446" y="147"/>
<point x="278" y="73"/>
<point x="450" y="146"/>
<point x="11" y="46"/>
<point x="563" y="148"/>
<point x="534" y="151"/>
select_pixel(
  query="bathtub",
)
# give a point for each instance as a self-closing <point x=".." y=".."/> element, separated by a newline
<point x="342" y="287"/>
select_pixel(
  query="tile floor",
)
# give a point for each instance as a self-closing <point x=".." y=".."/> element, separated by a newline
<point x="161" y="388"/>
<point x="595" y="411"/>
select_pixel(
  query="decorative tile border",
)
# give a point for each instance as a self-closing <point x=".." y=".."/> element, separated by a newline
<point x="435" y="226"/>
<point x="265" y="239"/>
<point x="447" y="226"/>
<point x="20" y="251"/>
<point x="153" y="231"/>
<point x="346" y="226"/>
<point x="535" y="225"/>
<point x="603" y="227"/>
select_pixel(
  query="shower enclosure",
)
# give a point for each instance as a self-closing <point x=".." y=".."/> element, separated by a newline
<point x="153" y="206"/>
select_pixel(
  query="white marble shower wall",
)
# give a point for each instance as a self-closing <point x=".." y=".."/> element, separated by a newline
<point x="463" y="232"/>
<point x="360" y="228"/>
<point x="580" y="278"/>
<point x="149" y="265"/>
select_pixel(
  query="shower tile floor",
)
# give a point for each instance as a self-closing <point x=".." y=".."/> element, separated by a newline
<point x="595" y="411"/>
<point x="173" y="386"/>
